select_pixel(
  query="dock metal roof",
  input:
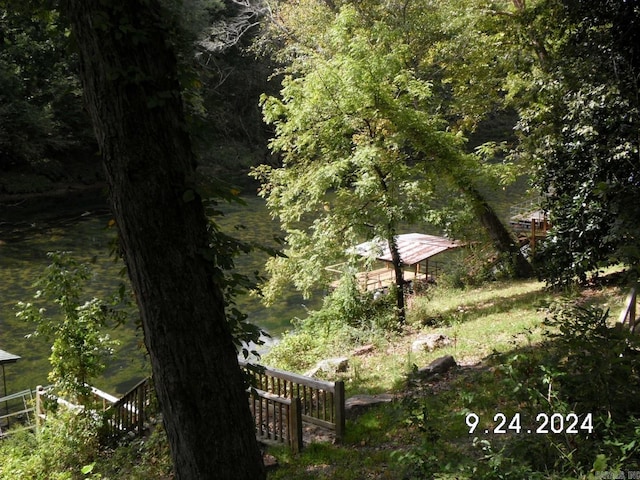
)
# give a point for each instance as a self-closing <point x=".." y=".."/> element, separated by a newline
<point x="413" y="247"/>
<point x="6" y="357"/>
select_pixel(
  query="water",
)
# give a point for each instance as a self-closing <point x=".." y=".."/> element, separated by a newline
<point x="23" y="257"/>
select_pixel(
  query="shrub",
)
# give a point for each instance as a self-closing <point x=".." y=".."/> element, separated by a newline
<point x="67" y="441"/>
<point x="79" y="346"/>
<point x="588" y="368"/>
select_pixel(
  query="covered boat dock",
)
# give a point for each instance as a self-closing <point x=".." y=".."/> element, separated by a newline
<point x="416" y="250"/>
<point x="6" y="358"/>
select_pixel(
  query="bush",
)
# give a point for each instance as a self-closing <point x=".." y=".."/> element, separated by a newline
<point x="588" y="368"/>
<point x="80" y="348"/>
<point x="348" y="317"/>
<point x="67" y="442"/>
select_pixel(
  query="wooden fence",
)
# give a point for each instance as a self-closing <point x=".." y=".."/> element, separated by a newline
<point x="17" y="412"/>
<point x="122" y="416"/>
<point x="628" y="317"/>
<point x="280" y="402"/>
<point x="130" y="413"/>
<point x="277" y="419"/>
<point x="321" y="403"/>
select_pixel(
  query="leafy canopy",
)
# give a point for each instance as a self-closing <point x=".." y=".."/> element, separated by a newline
<point x="360" y="142"/>
<point x="579" y="126"/>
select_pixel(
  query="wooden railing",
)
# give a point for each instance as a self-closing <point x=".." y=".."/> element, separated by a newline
<point x="321" y="403"/>
<point x="628" y="315"/>
<point x="277" y="419"/>
<point x="122" y="416"/>
<point x="17" y="412"/>
<point x="129" y="413"/>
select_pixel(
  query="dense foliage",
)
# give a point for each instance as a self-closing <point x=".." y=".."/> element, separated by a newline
<point x="42" y="121"/>
<point x="581" y="127"/>
<point x="585" y="367"/>
<point x="362" y="129"/>
<point x="348" y="128"/>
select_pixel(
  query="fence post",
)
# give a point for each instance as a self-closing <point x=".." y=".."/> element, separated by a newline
<point x="295" y="425"/>
<point x="141" y="401"/>
<point x="39" y="391"/>
<point x="629" y="310"/>
<point x="339" y="413"/>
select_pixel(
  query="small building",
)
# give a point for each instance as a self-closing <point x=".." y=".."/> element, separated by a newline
<point x="416" y="251"/>
<point x="530" y="226"/>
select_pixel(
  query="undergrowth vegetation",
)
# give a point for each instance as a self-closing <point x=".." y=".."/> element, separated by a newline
<point x="550" y="366"/>
<point x="545" y="389"/>
<point x="67" y="447"/>
<point x="347" y="317"/>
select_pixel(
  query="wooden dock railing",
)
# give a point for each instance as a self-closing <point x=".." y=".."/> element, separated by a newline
<point x="321" y="402"/>
<point x="628" y="315"/>
<point x="17" y="412"/>
<point x="131" y="412"/>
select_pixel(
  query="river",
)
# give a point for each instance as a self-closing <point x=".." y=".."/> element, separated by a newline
<point x="81" y="226"/>
<point x="85" y="232"/>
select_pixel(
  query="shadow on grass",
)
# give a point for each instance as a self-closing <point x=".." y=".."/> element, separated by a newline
<point x="445" y="426"/>
<point x="466" y="312"/>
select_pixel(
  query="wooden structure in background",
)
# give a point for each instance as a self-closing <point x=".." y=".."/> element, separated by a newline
<point x="6" y="358"/>
<point x="530" y="223"/>
<point x="416" y="251"/>
<point x="18" y="414"/>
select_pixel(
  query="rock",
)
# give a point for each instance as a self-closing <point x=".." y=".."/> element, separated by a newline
<point x="438" y="366"/>
<point x="442" y="364"/>
<point x="358" y="404"/>
<point x="430" y="342"/>
<point x="330" y="366"/>
<point x="270" y="462"/>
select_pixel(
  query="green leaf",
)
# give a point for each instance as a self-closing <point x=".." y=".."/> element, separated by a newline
<point x="87" y="469"/>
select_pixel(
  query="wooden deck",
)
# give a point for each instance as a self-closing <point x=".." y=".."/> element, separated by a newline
<point x="382" y="278"/>
<point x="385" y="277"/>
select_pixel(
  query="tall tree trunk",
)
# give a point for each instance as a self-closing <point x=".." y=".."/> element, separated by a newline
<point x="398" y="274"/>
<point x="502" y="239"/>
<point x="393" y="249"/>
<point x="129" y="75"/>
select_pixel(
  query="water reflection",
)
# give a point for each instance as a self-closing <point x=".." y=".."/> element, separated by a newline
<point x="23" y="257"/>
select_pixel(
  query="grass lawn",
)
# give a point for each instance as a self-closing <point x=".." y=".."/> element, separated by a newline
<point x="424" y="433"/>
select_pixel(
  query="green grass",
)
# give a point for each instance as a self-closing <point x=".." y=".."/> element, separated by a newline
<point x="478" y="321"/>
<point x="425" y="435"/>
<point x="499" y="345"/>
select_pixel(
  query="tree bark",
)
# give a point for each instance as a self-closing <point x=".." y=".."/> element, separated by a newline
<point x="398" y="274"/>
<point x="502" y="239"/>
<point x="393" y="250"/>
<point x="129" y="74"/>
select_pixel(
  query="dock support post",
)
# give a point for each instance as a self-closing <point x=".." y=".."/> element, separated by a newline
<point x="39" y="410"/>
